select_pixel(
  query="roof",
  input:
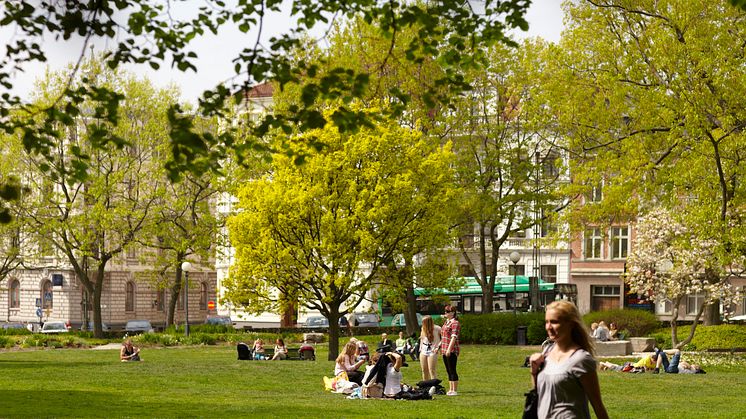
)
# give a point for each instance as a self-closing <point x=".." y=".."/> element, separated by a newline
<point x="260" y="90"/>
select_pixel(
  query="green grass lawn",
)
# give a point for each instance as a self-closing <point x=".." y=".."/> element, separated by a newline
<point x="210" y="382"/>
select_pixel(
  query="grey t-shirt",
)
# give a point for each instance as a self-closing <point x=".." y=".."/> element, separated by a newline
<point x="560" y="393"/>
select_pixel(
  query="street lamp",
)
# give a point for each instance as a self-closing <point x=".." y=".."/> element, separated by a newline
<point x="515" y="257"/>
<point x="186" y="267"/>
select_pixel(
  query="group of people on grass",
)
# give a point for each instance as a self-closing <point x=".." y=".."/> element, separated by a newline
<point x="385" y="364"/>
<point x="602" y="333"/>
<point x="564" y="373"/>
<point x="656" y="362"/>
<point x="260" y="354"/>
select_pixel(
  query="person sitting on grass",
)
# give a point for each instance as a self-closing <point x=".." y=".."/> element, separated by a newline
<point x="602" y="332"/>
<point x="346" y="362"/>
<point x="129" y="352"/>
<point x="281" y="351"/>
<point x="362" y="352"/>
<point x="401" y="343"/>
<point x="385" y="345"/>
<point x="258" y="350"/>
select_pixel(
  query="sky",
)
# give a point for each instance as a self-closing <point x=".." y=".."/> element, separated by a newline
<point x="215" y="53"/>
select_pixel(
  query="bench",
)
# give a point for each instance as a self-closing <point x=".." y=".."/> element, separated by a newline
<point x="613" y="348"/>
<point x="294" y="354"/>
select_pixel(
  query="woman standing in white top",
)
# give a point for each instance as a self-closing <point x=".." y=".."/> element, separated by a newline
<point x="429" y="346"/>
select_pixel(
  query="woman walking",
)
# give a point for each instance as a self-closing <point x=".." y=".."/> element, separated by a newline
<point x="429" y="347"/>
<point x="449" y="345"/>
<point x="565" y="373"/>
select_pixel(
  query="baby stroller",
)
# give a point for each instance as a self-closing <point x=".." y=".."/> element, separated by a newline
<point x="306" y="352"/>
<point x="244" y="353"/>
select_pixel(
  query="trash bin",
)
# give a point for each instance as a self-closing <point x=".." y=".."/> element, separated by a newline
<point x="521" y="335"/>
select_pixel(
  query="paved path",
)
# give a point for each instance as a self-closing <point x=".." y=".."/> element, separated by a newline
<point x="108" y="346"/>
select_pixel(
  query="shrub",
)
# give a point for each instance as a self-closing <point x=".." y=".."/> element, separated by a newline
<point x="637" y="322"/>
<point x="721" y="337"/>
<point x="202" y="339"/>
<point x="14" y="332"/>
<point x="501" y="328"/>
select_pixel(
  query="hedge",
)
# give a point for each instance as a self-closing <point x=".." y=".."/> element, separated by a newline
<point x="726" y="337"/>
<point x="501" y="328"/>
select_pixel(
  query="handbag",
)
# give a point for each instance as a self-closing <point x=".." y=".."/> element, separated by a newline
<point x="531" y="405"/>
<point x="373" y="391"/>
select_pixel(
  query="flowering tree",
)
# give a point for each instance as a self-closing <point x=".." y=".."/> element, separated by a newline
<point x="670" y="261"/>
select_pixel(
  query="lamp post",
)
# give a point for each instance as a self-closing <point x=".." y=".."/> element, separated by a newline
<point x="515" y="257"/>
<point x="186" y="267"/>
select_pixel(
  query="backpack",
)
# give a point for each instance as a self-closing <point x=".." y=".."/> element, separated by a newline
<point x="413" y="394"/>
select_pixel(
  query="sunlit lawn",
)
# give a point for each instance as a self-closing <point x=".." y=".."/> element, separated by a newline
<point x="210" y="382"/>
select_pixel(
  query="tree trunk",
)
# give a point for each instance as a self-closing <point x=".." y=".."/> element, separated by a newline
<point x="711" y="314"/>
<point x="488" y="298"/>
<point x="174" y="297"/>
<point x="333" y="334"/>
<point x="410" y="314"/>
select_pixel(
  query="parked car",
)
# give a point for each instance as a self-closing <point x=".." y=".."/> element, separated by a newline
<point x="105" y="327"/>
<point x="316" y="322"/>
<point x="219" y="320"/>
<point x="14" y="326"/>
<point x="55" y="327"/>
<point x="138" y="326"/>
<point x="365" y="320"/>
<point x="400" y="321"/>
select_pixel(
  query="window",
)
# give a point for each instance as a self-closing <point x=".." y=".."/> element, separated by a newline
<point x="47" y="295"/>
<point x="605" y="297"/>
<point x="596" y="193"/>
<point x="665" y="307"/>
<point x="549" y="273"/>
<point x="548" y="223"/>
<point x="619" y="242"/>
<point x="516" y="270"/>
<point x="15" y="294"/>
<point x="694" y="302"/>
<point x="203" y="296"/>
<point x="593" y="240"/>
<point x="549" y="166"/>
<point x="129" y="297"/>
<point x="466" y="270"/>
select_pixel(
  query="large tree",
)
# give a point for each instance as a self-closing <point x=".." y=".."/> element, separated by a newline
<point x="88" y="216"/>
<point x="186" y="225"/>
<point x="508" y="165"/>
<point x="145" y="32"/>
<point x="320" y="232"/>
<point x="656" y="111"/>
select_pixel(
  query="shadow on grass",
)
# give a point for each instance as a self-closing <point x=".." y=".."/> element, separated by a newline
<point x="65" y="403"/>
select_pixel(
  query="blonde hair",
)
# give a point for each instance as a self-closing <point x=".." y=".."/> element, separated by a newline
<point x="347" y="352"/>
<point x="568" y="312"/>
<point x="427" y="328"/>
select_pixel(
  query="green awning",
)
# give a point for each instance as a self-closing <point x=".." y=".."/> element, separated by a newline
<point x="504" y="284"/>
